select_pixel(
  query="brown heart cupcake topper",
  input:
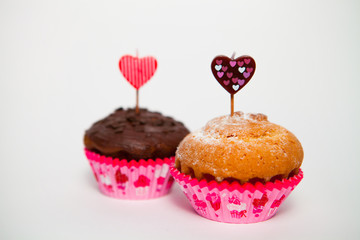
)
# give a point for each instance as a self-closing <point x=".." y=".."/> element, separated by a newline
<point x="233" y="73"/>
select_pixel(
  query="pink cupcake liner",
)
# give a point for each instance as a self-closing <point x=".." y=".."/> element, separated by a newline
<point x="235" y="203"/>
<point x="136" y="180"/>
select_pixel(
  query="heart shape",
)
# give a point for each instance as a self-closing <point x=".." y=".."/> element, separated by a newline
<point x="137" y="71"/>
<point x="241" y="82"/>
<point x="229" y="74"/>
<point x="241" y="69"/>
<point x="239" y="76"/>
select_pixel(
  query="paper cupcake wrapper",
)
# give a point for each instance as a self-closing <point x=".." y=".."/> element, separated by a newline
<point x="143" y="179"/>
<point x="235" y="203"/>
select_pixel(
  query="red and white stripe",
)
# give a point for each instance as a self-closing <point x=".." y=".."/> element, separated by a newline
<point x="137" y="71"/>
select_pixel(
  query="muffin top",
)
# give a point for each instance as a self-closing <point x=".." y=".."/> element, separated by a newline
<point x="245" y="148"/>
<point x="126" y="134"/>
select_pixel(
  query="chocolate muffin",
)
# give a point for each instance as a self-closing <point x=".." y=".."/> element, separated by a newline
<point x="126" y="134"/>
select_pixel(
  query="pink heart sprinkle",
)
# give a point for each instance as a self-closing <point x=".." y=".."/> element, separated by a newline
<point x="226" y="82"/>
<point x="220" y="74"/>
<point x="241" y="82"/>
<point x="218" y="62"/>
<point x="224" y="68"/>
<point x="249" y="70"/>
<point x="246" y="74"/>
<point x="241" y="63"/>
<point x="247" y="60"/>
<point x="234" y="80"/>
<point x="232" y="63"/>
<point x="229" y="74"/>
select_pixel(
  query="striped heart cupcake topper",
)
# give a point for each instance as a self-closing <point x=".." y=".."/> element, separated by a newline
<point x="233" y="74"/>
<point x="137" y="71"/>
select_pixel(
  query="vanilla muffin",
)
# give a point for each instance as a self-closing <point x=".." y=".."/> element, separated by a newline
<point x="243" y="148"/>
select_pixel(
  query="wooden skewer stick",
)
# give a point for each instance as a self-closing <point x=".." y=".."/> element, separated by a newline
<point x="137" y="101"/>
<point x="232" y="104"/>
<point x="232" y="95"/>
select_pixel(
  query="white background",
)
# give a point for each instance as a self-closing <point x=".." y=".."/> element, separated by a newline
<point x="59" y="74"/>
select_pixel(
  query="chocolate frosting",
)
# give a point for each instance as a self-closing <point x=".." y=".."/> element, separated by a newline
<point x="126" y="134"/>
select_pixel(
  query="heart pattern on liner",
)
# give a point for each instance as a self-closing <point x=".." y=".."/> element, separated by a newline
<point x="137" y="71"/>
<point x="233" y="74"/>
